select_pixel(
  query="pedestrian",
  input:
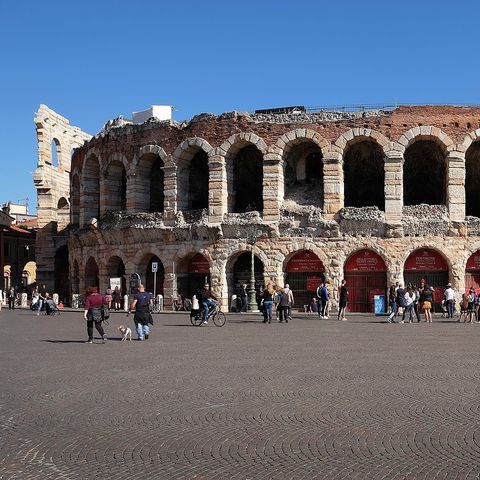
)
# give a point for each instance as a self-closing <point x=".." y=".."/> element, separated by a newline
<point x="416" y="302"/>
<point x="11" y="298"/>
<point x="426" y="297"/>
<point x="117" y="298"/>
<point x="109" y="297"/>
<point x="393" y="301"/>
<point x="243" y="298"/>
<point x="470" y="305"/>
<point x="141" y="303"/>
<point x="291" y="301"/>
<point x="449" y="296"/>
<point x="342" y="302"/>
<point x="401" y="301"/>
<point x="463" y="308"/>
<point x="267" y="302"/>
<point x="283" y="305"/>
<point x="93" y="313"/>
<point x="322" y="294"/>
<point x="408" y="309"/>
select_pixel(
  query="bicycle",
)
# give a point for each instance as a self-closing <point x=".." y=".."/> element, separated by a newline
<point x="218" y="317"/>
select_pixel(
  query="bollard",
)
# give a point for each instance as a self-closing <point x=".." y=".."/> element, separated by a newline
<point x="55" y="298"/>
<point x="195" y="304"/>
<point x="75" y="300"/>
<point x="159" y="300"/>
<point x="23" y="300"/>
<point x="125" y="303"/>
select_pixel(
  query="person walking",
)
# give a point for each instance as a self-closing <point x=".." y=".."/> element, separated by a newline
<point x="393" y="301"/>
<point x="449" y="296"/>
<point x="117" y="298"/>
<point x="141" y="303"/>
<point x="93" y="313"/>
<point x="426" y="297"/>
<point x="408" y="309"/>
<point x="416" y="302"/>
<point x="470" y="306"/>
<point x="291" y="300"/>
<point x="267" y="301"/>
<point x="11" y="298"/>
<point x="322" y="294"/>
<point x="243" y="298"/>
<point x="342" y="302"/>
<point x="283" y="305"/>
<point x="109" y="297"/>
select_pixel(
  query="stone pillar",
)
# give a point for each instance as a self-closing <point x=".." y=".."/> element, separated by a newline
<point x="273" y="186"/>
<point x="333" y="196"/>
<point x="217" y="189"/>
<point x="456" y="186"/>
<point x="170" y="182"/>
<point x="393" y="187"/>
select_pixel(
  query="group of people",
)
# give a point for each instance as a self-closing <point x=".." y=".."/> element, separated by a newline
<point x="96" y="311"/>
<point x="412" y="300"/>
<point x="278" y="299"/>
<point x="114" y="298"/>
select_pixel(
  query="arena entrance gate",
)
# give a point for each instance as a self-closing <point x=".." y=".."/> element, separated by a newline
<point x="305" y="272"/>
<point x="472" y="272"/>
<point x="429" y="265"/>
<point x="366" y="276"/>
<point x="197" y="273"/>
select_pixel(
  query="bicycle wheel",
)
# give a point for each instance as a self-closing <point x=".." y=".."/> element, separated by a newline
<point x="219" y="319"/>
<point x="196" y="320"/>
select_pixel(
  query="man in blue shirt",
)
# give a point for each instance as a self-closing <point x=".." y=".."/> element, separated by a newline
<point x="141" y="304"/>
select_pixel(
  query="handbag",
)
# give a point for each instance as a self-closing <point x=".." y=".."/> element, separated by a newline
<point x="105" y="312"/>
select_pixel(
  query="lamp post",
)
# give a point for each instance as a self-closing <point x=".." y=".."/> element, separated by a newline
<point x="252" y="236"/>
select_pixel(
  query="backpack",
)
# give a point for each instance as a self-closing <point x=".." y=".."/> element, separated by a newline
<point x="401" y="299"/>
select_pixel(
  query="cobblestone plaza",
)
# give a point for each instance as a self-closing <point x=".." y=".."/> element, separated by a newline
<point x="311" y="399"/>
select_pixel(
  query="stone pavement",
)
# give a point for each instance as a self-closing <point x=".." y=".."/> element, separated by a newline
<point x="311" y="399"/>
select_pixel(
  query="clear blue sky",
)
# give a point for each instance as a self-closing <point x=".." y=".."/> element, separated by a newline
<point x="93" y="60"/>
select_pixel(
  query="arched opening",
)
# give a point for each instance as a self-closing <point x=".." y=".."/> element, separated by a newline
<point x="157" y="188"/>
<point x="63" y="211"/>
<point x="431" y="266"/>
<point x="55" y="155"/>
<point x="472" y="272"/>
<point x="91" y="189"/>
<point x="192" y="273"/>
<point x="62" y="274"/>
<point x="424" y="174"/>
<point x="153" y="281"/>
<point x="366" y="275"/>
<point x="76" y="278"/>
<point x="245" y="181"/>
<point x="364" y="175"/>
<point x="91" y="273"/>
<point x="115" y="187"/>
<point x="149" y="183"/>
<point x="240" y="273"/>
<point x="305" y="272"/>
<point x="116" y="273"/>
<point x="75" y="200"/>
<point x="303" y="174"/>
<point x="29" y="273"/>
<point x="198" y="182"/>
<point x="472" y="180"/>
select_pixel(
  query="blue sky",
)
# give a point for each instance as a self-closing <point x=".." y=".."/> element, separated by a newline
<point x="93" y="60"/>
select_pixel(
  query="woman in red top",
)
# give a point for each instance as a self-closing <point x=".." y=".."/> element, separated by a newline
<point x="93" y="313"/>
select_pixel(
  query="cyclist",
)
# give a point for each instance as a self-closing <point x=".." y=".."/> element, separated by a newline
<point x="207" y="300"/>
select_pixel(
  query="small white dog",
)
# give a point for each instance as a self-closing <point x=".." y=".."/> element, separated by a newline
<point x="126" y="333"/>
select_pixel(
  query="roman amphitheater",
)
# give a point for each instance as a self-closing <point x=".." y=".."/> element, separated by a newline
<point x="373" y="196"/>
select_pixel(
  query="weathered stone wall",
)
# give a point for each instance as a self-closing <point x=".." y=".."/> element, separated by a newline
<point x="53" y="187"/>
<point x="330" y="229"/>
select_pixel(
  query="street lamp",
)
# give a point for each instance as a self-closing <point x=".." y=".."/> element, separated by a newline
<point x="252" y="236"/>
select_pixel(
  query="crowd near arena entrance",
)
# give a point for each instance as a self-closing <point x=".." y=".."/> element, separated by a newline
<point x="429" y="265"/>
<point x="472" y="272"/>
<point x="192" y="274"/>
<point x="305" y="272"/>
<point x="366" y="275"/>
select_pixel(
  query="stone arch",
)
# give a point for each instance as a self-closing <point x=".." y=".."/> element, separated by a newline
<point x="146" y="274"/>
<point x="355" y="135"/>
<point x="56" y="153"/>
<point x="192" y="269"/>
<point x="91" y="273"/>
<point x="425" y="157"/>
<point x="364" y="172"/>
<point x="427" y="246"/>
<point x="191" y="160"/>
<point x="472" y="178"/>
<point x="115" y="268"/>
<point x="115" y="183"/>
<point x="90" y="188"/>
<point x="244" y="167"/>
<point x="425" y="132"/>
<point x="149" y="178"/>
<point x="303" y="168"/>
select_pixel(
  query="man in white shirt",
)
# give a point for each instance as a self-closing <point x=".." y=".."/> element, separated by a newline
<point x="449" y="296"/>
<point x="289" y="292"/>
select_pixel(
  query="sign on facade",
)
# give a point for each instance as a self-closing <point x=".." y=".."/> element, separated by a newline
<point x="154" y="267"/>
<point x="116" y="282"/>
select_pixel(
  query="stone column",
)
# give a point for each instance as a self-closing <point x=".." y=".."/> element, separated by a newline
<point x="170" y="189"/>
<point x="273" y="186"/>
<point x="393" y="187"/>
<point x="333" y="191"/>
<point x="456" y="186"/>
<point x="217" y="189"/>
